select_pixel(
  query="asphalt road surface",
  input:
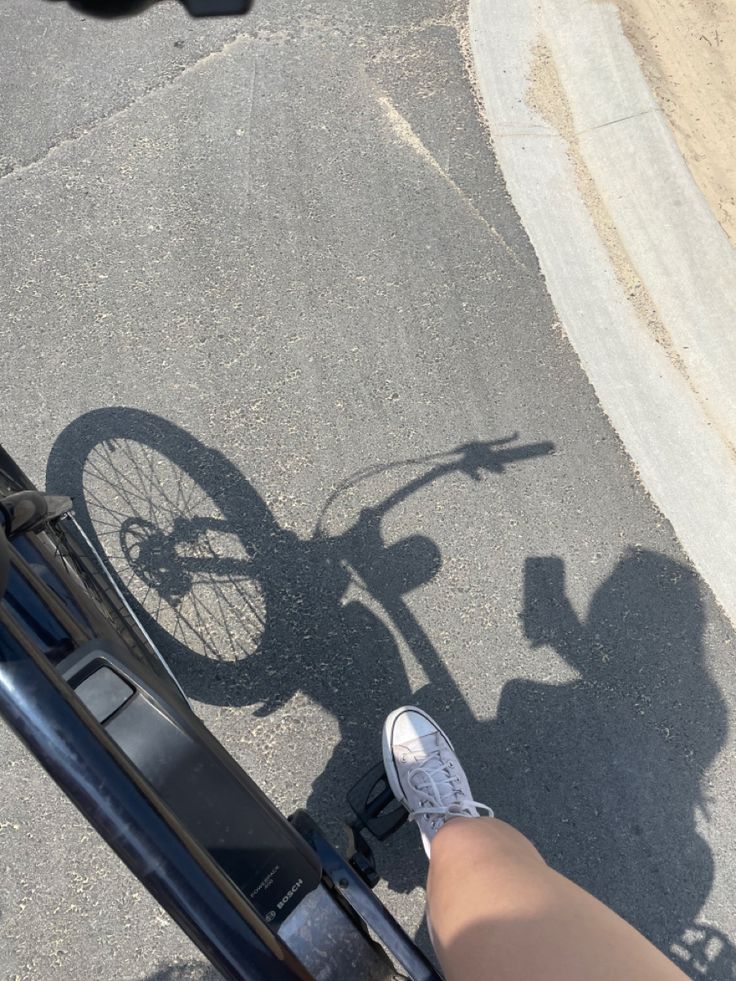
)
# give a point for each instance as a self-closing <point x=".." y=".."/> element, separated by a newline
<point x="259" y="276"/>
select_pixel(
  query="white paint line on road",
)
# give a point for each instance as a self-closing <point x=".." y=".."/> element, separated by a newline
<point x="669" y="397"/>
<point x="405" y="132"/>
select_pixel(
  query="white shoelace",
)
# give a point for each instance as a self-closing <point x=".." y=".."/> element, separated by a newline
<point x="434" y="781"/>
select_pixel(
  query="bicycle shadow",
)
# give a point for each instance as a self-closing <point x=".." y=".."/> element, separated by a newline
<point x="604" y="773"/>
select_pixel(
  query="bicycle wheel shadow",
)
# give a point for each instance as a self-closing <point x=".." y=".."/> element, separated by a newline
<point x="604" y="773"/>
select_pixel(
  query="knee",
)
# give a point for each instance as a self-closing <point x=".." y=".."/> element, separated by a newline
<point x="482" y="869"/>
<point x="483" y="839"/>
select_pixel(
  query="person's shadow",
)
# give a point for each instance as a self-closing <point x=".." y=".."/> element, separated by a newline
<point x="604" y="772"/>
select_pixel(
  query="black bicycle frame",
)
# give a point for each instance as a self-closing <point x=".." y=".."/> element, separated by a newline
<point x="91" y="771"/>
<point x="77" y="752"/>
<point x="262" y="898"/>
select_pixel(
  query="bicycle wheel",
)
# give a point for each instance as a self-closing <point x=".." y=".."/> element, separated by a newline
<point x="184" y="532"/>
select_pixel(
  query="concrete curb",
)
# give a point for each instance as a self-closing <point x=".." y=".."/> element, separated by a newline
<point x="641" y="273"/>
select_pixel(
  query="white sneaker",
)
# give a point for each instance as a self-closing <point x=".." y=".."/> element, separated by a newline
<point x="424" y="773"/>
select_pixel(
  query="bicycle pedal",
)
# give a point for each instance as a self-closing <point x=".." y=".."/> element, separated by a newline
<point x="370" y="800"/>
<point x="360" y="856"/>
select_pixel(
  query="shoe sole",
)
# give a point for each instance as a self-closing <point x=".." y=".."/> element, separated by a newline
<point x="389" y="763"/>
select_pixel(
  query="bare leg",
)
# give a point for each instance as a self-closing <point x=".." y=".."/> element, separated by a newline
<point x="498" y="911"/>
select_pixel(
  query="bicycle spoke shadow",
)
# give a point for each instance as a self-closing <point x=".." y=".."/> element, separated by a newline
<point x="604" y="773"/>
